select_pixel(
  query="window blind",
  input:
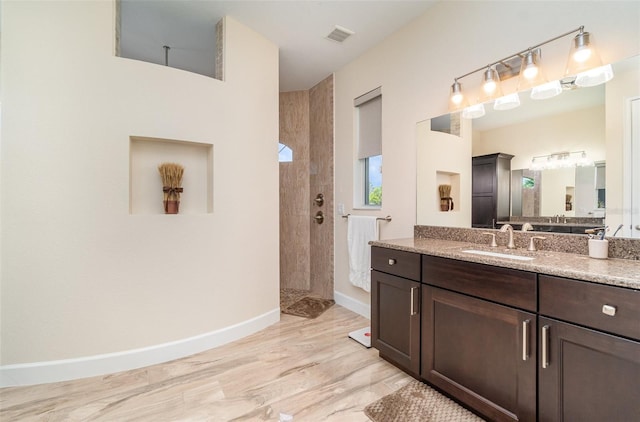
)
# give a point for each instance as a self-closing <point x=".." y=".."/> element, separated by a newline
<point x="369" y="124"/>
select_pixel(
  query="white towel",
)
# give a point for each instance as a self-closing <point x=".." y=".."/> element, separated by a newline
<point x="361" y="230"/>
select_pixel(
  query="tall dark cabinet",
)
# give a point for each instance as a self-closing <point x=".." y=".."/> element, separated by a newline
<point x="491" y="189"/>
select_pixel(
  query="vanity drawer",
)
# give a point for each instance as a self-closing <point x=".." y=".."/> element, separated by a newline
<point x="401" y="263"/>
<point x="502" y="285"/>
<point x="607" y="308"/>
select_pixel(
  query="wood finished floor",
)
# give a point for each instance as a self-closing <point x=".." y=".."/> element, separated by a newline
<point x="306" y="368"/>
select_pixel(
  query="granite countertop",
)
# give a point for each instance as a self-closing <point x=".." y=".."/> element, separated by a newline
<point x="546" y="223"/>
<point x="616" y="272"/>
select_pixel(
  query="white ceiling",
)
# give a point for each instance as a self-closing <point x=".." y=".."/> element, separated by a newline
<point x="298" y="27"/>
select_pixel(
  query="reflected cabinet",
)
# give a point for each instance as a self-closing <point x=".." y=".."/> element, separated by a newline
<point x="490" y="190"/>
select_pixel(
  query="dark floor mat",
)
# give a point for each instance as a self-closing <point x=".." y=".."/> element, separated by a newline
<point x="309" y="307"/>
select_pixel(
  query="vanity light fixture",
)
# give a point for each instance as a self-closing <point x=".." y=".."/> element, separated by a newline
<point x="456" y="99"/>
<point x="584" y="63"/>
<point x="491" y="84"/>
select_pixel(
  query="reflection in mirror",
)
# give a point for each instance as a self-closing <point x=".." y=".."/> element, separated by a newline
<point x="580" y="119"/>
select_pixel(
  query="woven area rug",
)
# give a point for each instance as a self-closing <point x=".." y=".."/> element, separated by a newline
<point x="417" y="402"/>
<point x="309" y="307"/>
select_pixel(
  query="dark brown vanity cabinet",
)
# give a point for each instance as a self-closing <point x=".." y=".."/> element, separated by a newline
<point x="479" y="336"/>
<point x="589" y="352"/>
<point x="395" y="307"/>
<point x="490" y="189"/>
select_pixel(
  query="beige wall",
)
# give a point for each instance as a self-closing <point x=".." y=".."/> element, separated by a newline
<point x="415" y="68"/>
<point x="80" y="275"/>
<point x="619" y="90"/>
<point x="580" y="130"/>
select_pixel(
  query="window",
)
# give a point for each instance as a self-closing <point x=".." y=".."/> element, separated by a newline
<point x="369" y="112"/>
<point x="285" y="154"/>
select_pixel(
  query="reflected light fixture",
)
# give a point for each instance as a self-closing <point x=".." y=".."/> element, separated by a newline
<point x="560" y="160"/>
<point x="594" y="77"/>
<point x="584" y="63"/>
<point x="507" y="102"/>
<point x="548" y="90"/>
<point x="474" y="111"/>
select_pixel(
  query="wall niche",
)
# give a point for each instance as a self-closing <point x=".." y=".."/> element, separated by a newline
<point x="145" y="184"/>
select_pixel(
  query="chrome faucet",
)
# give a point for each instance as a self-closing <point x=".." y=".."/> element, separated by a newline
<point x="509" y="228"/>
<point x="526" y="226"/>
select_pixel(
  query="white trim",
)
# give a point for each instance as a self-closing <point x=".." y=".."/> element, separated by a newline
<point x="89" y="366"/>
<point x="352" y="304"/>
<point x="628" y="169"/>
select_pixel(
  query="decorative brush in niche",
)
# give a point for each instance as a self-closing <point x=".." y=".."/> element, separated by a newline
<point x="171" y="174"/>
<point x="446" y="201"/>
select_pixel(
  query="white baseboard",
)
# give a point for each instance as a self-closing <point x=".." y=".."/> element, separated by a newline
<point x="352" y="304"/>
<point x="90" y="366"/>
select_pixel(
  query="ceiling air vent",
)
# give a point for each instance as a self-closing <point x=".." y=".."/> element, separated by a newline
<point x="340" y="34"/>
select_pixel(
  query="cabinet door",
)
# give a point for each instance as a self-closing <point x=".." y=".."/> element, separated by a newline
<point x="480" y="352"/>
<point x="395" y="320"/>
<point x="587" y="375"/>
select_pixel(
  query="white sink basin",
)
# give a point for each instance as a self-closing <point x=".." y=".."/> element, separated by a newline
<point x="499" y="255"/>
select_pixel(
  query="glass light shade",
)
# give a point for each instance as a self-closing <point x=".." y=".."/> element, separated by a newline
<point x="457" y="100"/>
<point x="594" y="77"/>
<point x="583" y="54"/>
<point x="582" y="160"/>
<point x="474" y="111"/>
<point x="548" y="90"/>
<point x="491" y="84"/>
<point x="531" y="73"/>
<point x="507" y="102"/>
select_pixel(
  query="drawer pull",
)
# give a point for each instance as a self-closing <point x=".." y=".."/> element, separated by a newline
<point x="609" y="310"/>
<point x="392" y="261"/>
<point x="545" y="347"/>
<point x="413" y="309"/>
<point x="525" y="339"/>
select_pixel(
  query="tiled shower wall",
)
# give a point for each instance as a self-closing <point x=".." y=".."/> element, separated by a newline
<point x="321" y="181"/>
<point x="294" y="192"/>
<point x="306" y="248"/>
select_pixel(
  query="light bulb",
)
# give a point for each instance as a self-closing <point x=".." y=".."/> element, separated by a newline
<point x="582" y="54"/>
<point x="531" y="72"/>
<point x="489" y="87"/>
<point x="456" y="96"/>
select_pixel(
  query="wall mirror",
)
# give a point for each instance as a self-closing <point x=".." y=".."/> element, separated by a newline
<point x="571" y="122"/>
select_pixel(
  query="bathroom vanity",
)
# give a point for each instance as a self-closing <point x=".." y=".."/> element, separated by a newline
<point x="545" y="336"/>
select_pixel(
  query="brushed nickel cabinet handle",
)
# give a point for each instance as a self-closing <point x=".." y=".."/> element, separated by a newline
<point x="545" y="347"/>
<point x="392" y="261"/>
<point x="413" y="309"/>
<point x="609" y="310"/>
<point x="525" y="339"/>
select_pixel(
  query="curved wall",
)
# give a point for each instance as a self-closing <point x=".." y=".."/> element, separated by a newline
<point x="81" y="276"/>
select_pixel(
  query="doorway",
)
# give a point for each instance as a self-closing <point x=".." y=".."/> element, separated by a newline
<point x="306" y="242"/>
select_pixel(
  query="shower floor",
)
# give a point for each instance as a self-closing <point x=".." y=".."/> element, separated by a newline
<point x="290" y="296"/>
